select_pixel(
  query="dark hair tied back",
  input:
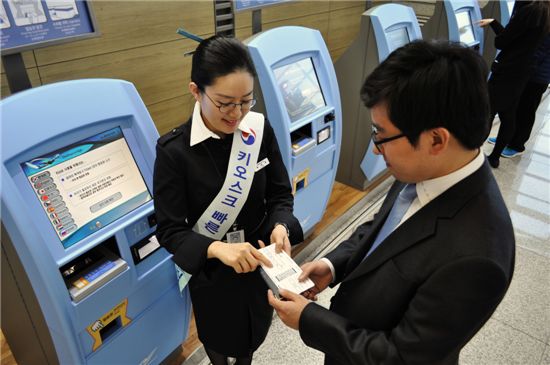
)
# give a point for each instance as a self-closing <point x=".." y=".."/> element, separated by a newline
<point x="219" y="56"/>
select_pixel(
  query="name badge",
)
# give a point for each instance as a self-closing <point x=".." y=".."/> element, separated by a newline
<point x="261" y="164"/>
<point x="235" y="236"/>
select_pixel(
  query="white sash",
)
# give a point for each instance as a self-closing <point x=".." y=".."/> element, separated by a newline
<point x="220" y="215"/>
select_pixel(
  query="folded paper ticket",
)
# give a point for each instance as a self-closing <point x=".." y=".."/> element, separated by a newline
<point x="284" y="273"/>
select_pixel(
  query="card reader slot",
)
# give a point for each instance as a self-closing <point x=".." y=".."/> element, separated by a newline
<point x="302" y="139"/>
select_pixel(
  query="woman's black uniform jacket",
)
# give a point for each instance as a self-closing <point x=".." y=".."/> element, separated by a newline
<point x="231" y="310"/>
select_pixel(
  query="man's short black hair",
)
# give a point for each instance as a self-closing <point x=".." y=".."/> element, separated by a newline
<point x="426" y="85"/>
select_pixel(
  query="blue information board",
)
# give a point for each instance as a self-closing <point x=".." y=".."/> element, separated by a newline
<point x="29" y="24"/>
<point x="243" y="5"/>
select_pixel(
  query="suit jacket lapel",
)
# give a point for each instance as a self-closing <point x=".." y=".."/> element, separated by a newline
<point x="418" y="227"/>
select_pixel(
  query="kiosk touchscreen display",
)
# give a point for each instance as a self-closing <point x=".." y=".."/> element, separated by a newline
<point x="87" y="185"/>
<point x="300" y="88"/>
<point x="398" y="38"/>
<point x="465" y="28"/>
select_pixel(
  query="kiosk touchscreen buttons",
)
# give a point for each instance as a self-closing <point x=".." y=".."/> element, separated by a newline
<point x="87" y="185"/>
<point x="465" y="27"/>
<point x="79" y="251"/>
<point x="299" y="95"/>
<point x="398" y="38"/>
<point x="300" y="87"/>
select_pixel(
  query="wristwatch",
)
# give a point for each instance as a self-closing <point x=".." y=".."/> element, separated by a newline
<point x="284" y="225"/>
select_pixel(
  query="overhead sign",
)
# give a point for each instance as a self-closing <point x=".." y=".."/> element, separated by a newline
<point x="29" y="24"/>
<point x="243" y="5"/>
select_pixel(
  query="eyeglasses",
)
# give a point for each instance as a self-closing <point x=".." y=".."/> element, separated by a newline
<point x="229" y="107"/>
<point x="379" y="142"/>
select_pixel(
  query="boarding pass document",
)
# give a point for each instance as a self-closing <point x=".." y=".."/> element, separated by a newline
<point x="284" y="273"/>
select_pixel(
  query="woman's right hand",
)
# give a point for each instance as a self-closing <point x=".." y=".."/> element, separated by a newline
<point x="242" y="257"/>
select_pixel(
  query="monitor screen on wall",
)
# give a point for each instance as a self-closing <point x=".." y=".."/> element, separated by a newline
<point x="300" y="88"/>
<point x="30" y="24"/>
<point x="398" y="38"/>
<point x="86" y="185"/>
<point x="243" y="5"/>
<point x="465" y="28"/>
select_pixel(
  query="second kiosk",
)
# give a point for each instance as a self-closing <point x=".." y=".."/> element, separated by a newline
<point x="300" y="97"/>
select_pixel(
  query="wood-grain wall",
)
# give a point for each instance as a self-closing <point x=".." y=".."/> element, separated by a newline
<point x="138" y="43"/>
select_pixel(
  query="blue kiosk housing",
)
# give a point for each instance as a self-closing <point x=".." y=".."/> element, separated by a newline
<point x="84" y="280"/>
<point x="383" y="29"/>
<point x="456" y="20"/>
<point x="300" y="97"/>
<point x="500" y="10"/>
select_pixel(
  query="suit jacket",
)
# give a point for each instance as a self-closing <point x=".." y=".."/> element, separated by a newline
<point x="427" y="289"/>
<point x="231" y="310"/>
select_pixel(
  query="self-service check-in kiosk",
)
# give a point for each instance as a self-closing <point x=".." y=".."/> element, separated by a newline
<point x="84" y="280"/>
<point x="300" y="97"/>
<point x="456" y="20"/>
<point x="383" y="29"/>
<point x="500" y="10"/>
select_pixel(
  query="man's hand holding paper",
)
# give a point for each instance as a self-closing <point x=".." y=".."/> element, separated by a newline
<point x="284" y="273"/>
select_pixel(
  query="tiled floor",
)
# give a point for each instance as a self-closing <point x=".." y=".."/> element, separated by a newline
<point x="519" y="331"/>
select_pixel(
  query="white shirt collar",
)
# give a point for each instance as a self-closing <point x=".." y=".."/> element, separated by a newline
<point x="430" y="189"/>
<point x="200" y="132"/>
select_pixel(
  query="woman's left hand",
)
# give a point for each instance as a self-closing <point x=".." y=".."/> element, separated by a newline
<point x="279" y="238"/>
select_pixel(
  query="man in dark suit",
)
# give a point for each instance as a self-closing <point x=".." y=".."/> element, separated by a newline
<point x="418" y="292"/>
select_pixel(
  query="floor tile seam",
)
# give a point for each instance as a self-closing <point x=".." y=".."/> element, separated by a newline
<point x="542" y="207"/>
<point x="545" y="161"/>
<point x="541" y="341"/>
<point x="533" y="213"/>
<point x="537" y="177"/>
<point x="531" y="251"/>
<point x="538" y="153"/>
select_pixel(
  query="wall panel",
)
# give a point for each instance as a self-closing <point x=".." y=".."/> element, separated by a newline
<point x="28" y="59"/>
<point x="159" y="71"/>
<point x="171" y="113"/>
<point x="131" y="24"/>
<point x="344" y="26"/>
<point x="33" y="77"/>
